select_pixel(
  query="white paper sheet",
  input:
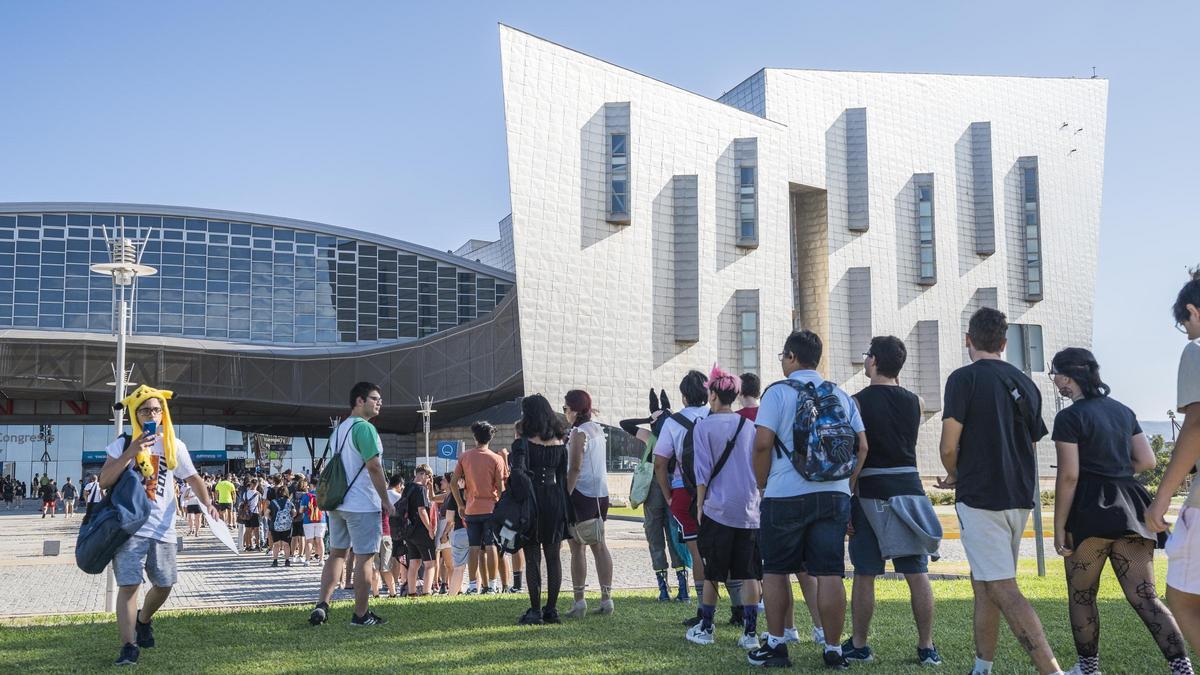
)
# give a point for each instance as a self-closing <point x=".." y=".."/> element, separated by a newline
<point x="220" y="530"/>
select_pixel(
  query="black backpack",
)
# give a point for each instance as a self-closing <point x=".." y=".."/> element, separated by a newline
<point x="686" y="453"/>
<point x="516" y="511"/>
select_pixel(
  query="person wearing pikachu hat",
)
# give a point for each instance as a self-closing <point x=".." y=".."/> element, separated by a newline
<point x="160" y="458"/>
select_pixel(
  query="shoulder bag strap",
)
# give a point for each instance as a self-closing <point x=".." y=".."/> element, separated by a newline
<point x="728" y="451"/>
<point x="349" y="432"/>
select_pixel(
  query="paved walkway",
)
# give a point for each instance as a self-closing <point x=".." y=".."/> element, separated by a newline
<point x="211" y="576"/>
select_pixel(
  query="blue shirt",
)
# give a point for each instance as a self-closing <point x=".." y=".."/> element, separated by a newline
<point x="777" y="412"/>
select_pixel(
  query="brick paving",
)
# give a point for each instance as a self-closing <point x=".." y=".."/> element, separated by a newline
<point x="211" y="576"/>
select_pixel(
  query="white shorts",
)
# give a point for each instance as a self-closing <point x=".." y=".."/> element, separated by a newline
<point x="1183" y="552"/>
<point x="314" y="530"/>
<point x="992" y="540"/>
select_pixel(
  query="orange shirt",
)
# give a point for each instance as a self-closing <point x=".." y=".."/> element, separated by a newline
<point x="482" y="471"/>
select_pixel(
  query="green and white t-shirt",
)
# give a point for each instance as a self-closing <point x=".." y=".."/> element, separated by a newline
<point x="1189" y="395"/>
<point x="363" y="444"/>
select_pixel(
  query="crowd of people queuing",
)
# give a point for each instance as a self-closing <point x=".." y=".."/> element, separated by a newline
<point x="752" y="488"/>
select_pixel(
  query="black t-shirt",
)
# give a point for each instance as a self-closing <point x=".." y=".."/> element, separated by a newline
<point x="48" y="492"/>
<point x="892" y="416"/>
<point x="1104" y="430"/>
<point x="68" y="491"/>
<point x="995" y="463"/>
<point x="412" y="502"/>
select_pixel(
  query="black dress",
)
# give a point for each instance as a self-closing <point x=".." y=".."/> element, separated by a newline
<point x="546" y="466"/>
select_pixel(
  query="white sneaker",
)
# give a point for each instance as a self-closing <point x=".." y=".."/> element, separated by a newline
<point x="791" y="635"/>
<point x="304" y="562"/>
<point x="579" y="610"/>
<point x="818" y="635"/>
<point x="1077" y="671"/>
<point x="748" y="642"/>
<point x="698" y="635"/>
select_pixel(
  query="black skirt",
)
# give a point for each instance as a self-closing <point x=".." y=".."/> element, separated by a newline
<point x="1110" y="508"/>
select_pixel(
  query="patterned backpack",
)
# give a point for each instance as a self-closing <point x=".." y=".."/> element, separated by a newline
<point x="825" y="444"/>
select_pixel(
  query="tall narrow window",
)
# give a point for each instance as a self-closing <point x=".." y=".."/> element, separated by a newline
<point x="749" y="341"/>
<point x="745" y="152"/>
<point x="1032" y="228"/>
<point x="926" y="253"/>
<point x="747" y="221"/>
<point x="616" y="169"/>
<point x="618" y="183"/>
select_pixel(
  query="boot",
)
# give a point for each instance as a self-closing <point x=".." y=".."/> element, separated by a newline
<point x="682" y="577"/>
<point x="664" y="589"/>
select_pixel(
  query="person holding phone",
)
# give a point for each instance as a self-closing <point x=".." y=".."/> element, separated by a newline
<point x="159" y="458"/>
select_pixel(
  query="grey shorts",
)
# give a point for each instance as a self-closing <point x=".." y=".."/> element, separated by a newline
<point x="992" y="540"/>
<point x="383" y="561"/>
<point x="157" y="558"/>
<point x="460" y="547"/>
<point x="359" y="532"/>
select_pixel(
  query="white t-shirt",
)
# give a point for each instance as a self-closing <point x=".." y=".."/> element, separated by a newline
<point x="92" y="492"/>
<point x="671" y="437"/>
<point x="593" y="472"/>
<point x="189" y="497"/>
<point x="160" y="488"/>
<point x="364" y="441"/>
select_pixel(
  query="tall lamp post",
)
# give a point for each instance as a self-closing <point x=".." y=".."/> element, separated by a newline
<point x="426" y="411"/>
<point x="124" y="266"/>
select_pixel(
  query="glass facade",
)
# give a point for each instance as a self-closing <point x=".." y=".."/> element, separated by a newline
<point x="234" y="281"/>
<point x="749" y="341"/>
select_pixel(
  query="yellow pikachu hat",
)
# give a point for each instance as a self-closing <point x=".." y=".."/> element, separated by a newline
<point x="167" y="432"/>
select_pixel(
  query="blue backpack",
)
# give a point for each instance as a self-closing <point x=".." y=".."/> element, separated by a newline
<point x="114" y="520"/>
<point x="825" y="443"/>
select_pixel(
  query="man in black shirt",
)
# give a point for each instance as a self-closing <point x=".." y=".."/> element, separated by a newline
<point x="49" y="493"/>
<point x="991" y="419"/>
<point x="892" y="416"/>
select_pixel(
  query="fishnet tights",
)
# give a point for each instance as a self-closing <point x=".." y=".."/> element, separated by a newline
<point x="1132" y="563"/>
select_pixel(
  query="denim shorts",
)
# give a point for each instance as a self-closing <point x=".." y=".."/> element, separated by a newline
<point x="479" y="530"/>
<point x="865" y="554"/>
<point x="806" y="533"/>
<point x="157" y="558"/>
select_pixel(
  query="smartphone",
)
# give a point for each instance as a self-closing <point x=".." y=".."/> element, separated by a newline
<point x="150" y="428"/>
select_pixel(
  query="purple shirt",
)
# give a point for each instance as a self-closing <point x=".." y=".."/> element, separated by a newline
<point x="732" y="500"/>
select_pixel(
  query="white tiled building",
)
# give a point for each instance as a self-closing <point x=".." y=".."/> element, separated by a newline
<point x="655" y="230"/>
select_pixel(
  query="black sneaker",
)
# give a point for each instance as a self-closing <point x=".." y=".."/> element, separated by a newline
<point x="129" y="655"/>
<point x="766" y="657"/>
<point x="145" y="634"/>
<point x="737" y="616"/>
<point x="287" y="562"/>
<point x="853" y="653"/>
<point x="368" y="619"/>
<point x="319" y="615"/>
<point x="835" y="661"/>
<point x="531" y="617"/>
<point x="550" y="615"/>
<point x="929" y="657"/>
<point x="275" y="562"/>
<point x="691" y="621"/>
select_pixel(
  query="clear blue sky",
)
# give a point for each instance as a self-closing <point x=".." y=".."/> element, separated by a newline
<point x="388" y="116"/>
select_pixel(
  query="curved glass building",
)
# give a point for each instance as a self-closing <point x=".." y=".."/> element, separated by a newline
<point x="235" y="277"/>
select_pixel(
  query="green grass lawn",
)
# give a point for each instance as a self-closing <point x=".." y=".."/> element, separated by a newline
<point x="473" y="635"/>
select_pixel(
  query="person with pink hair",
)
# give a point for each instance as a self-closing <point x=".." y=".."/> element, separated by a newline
<point x="727" y="502"/>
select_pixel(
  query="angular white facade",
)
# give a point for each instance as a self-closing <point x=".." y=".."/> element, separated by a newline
<point x="655" y="230"/>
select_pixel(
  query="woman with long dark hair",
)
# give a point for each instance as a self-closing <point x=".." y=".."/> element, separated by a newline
<point x="539" y="451"/>
<point x="1099" y="508"/>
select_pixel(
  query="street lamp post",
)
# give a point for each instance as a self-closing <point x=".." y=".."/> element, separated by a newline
<point x="426" y="411"/>
<point x="124" y="266"/>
